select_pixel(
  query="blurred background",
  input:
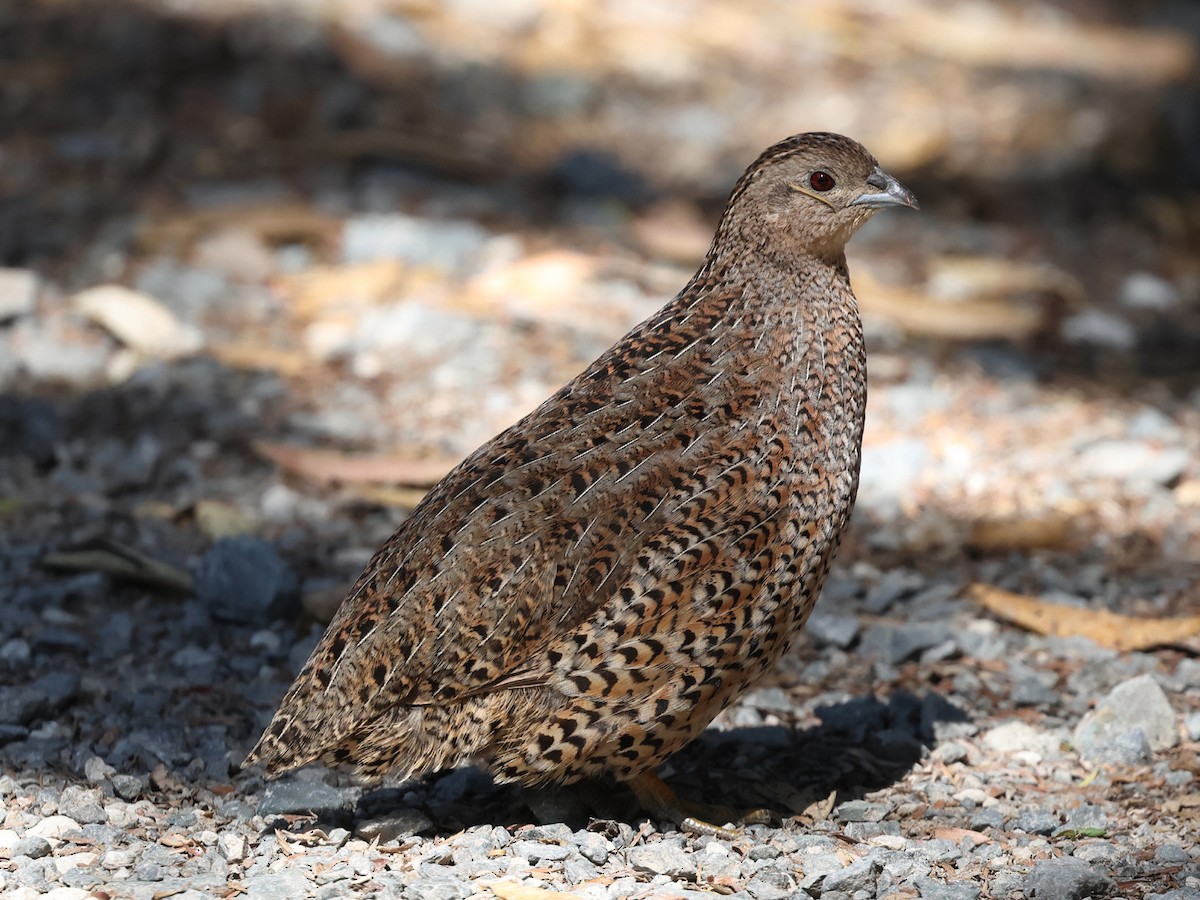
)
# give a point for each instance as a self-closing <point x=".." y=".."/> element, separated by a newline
<point x="272" y="267"/>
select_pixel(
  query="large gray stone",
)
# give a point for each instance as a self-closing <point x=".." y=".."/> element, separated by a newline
<point x="40" y="698"/>
<point x="286" y="885"/>
<point x="662" y="858"/>
<point x="1065" y="878"/>
<point x="286" y="797"/>
<point x="243" y="579"/>
<point x="82" y="805"/>
<point x="858" y="876"/>
<point x="1134" y="716"/>
<point x="937" y="890"/>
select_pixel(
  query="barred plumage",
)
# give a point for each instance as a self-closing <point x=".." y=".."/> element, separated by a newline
<point x="585" y="592"/>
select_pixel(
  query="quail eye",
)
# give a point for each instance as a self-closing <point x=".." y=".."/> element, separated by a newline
<point x="821" y="181"/>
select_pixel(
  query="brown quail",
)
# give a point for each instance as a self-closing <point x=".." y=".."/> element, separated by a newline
<point x="586" y="591"/>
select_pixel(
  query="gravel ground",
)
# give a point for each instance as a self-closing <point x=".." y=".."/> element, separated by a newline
<point x="160" y="359"/>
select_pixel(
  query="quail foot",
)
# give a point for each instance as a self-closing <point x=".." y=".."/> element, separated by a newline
<point x="585" y="592"/>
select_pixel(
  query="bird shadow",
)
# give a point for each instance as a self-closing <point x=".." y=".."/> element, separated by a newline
<point x="859" y="746"/>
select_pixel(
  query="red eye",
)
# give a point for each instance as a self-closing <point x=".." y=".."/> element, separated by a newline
<point x="821" y="181"/>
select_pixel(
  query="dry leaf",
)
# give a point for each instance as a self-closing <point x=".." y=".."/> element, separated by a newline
<point x="1105" y="628"/>
<point x="820" y="810"/>
<point x="957" y="278"/>
<point x="958" y="834"/>
<point x="977" y="319"/>
<point x="1177" y="805"/>
<point x="164" y="781"/>
<point x="326" y="290"/>
<point x="511" y="890"/>
<point x="282" y="224"/>
<point x="1121" y="54"/>
<point x="330" y="466"/>
<point x="533" y="286"/>
<point x="120" y="562"/>
<point x="1050" y="530"/>
<point x="262" y="357"/>
<point x="219" y="520"/>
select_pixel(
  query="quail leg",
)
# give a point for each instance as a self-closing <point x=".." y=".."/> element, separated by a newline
<point x="659" y="800"/>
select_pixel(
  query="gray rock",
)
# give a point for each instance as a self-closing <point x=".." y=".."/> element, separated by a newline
<point x="10" y="733"/>
<point x="41" y="698"/>
<point x="987" y="819"/>
<point x="892" y="586"/>
<point x="556" y="805"/>
<point x="858" y="876"/>
<point x="286" y="885"/>
<point x="28" y="427"/>
<point x="894" y="644"/>
<point x="442" y="888"/>
<point x="1144" y="290"/>
<point x="49" y="352"/>
<point x="1100" y="329"/>
<point x="18" y="293"/>
<point x="1018" y="737"/>
<point x="423" y="242"/>
<point x="1133" y="460"/>
<point x="861" y="811"/>
<point x="557" y="95"/>
<point x="32" y="846"/>
<point x="1031" y="691"/>
<point x="889" y="471"/>
<point x="817" y="867"/>
<point x="941" y="850"/>
<point x="1103" y="854"/>
<point x="1110" y="732"/>
<point x="833" y="630"/>
<point x="127" y="787"/>
<point x="1065" y="878"/>
<point x="593" y="846"/>
<point x="536" y="851"/>
<point x="764" y="851"/>
<point x="553" y="831"/>
<point x="1036" y="821"/>
<point x="242" y="579"/>
<point x="661" y="858"/>
<point x="576" y="869"/>
<point x="1172" y="854"/>
<point x="937" y="890"/>
<point x="393" y="825"/>
<point x="232" y="846"/>
<point x="82" y="805"/>
<point x="770" y="699"/>
<point x="478" y="840"/>
<point x="281" y="798"/>
<point x="15" y="652"/>
<point x="771" y="883"/>
<point x="950" y="752"/>
<point x="1192" y="723"/>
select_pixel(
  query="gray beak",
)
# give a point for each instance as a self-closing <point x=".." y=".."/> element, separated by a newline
<point x="891" y="193"/>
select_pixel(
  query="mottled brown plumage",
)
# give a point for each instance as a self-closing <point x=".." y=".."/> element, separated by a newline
<point x="585" y="592"/>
